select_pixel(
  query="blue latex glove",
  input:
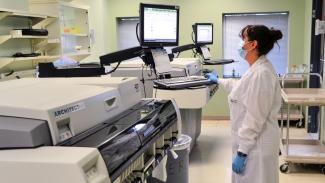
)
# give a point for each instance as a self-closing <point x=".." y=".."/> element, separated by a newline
<point x="239" y="164"/>
<point x="212" y="76"/>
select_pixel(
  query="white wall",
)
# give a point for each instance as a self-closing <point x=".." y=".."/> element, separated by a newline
<point x="14" y="4"/>
<point x="97" y="21"/>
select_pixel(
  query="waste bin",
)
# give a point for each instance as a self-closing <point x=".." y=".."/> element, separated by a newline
<point x="177" y="169"/>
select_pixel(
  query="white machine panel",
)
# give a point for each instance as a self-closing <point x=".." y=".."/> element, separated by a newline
<point x="191" y="65"/>
<point x="187" y="98"/>
<point x="133" y="68"/>
<point x="128" y="87"/>
<point x="88" y="101"/>
<point x="53" y="165"/>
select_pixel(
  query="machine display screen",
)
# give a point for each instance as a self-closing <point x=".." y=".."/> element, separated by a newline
<point x="203" y="33"/>
<point x="159" y="25"/>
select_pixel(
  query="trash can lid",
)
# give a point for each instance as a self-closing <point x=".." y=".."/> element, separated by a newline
<point x="183" y="142"/>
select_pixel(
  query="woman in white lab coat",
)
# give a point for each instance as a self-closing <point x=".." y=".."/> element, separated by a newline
<point x="254" y="103"/>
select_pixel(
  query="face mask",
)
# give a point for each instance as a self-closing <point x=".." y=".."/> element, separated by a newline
<point x="242" y="53"/>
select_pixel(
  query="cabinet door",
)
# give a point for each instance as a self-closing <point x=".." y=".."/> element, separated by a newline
<point x="74" y="30"/>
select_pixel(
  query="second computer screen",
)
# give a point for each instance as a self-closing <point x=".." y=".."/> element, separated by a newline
<point x="204" y="33"/>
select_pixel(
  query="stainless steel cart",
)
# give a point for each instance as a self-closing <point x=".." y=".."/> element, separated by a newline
<point x="296" y="113"/>
<point x="302" y="151"/>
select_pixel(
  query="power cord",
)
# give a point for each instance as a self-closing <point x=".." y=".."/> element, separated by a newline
<point x="192" y="36"/>
<point x="10" y="73"/>
<point x="118" y="64"/>
<point x="137" y="32"/>
<point x="143" y="82"/>
<point x="156" y="88"/>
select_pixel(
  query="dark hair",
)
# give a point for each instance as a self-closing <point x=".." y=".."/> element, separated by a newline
<point x="264" y="36"/>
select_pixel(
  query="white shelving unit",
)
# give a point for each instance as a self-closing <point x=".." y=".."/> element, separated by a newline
<point x="16" y="13"/>
<point x="72" y="27"/>
<point x="68" y="28"/>
<point x="13" y="43"/>
<point x="19" y="74"/>
<point x="5" y="38"/>
<point x="6" y="61"/>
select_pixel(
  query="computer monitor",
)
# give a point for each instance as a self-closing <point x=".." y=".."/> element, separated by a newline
<point x="159" y="25"/>
<point x="203" y="33"/>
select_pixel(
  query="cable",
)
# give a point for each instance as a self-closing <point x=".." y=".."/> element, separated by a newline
<point x="194" y="53"/>
<point x="142" y="80"/>
<point x="156" y="88"/>
<point x="322" y="61"/>
<point x="10" y="73"/>
<point x="118" y="64"/>
<point x="192" y="36"/>
<point x="137" y="32"/>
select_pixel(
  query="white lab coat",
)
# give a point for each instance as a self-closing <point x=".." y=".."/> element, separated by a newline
<point x="254" y="102"/>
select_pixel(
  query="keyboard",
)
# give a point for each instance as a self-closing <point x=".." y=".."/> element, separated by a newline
<point x="217" y="61"/>
<point x="181" y="82"/>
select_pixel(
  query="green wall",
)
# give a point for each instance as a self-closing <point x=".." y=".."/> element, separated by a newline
<point x="14" y="4"/>
<point x="211" y="11"/>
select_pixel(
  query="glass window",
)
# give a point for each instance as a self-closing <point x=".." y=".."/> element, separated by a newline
<point x="233" y="23"/>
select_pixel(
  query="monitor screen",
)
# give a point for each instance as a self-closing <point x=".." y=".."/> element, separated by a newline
<point x="203" y="33"/>
<point x="159" y="25"/>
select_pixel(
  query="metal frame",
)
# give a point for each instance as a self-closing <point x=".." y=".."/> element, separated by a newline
<point x="309" y="143"/>
<point x="288" y="111"/>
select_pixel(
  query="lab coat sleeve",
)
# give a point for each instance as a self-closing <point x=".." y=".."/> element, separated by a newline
<point x="258" y="102"/>
<point x="227" y="84"/>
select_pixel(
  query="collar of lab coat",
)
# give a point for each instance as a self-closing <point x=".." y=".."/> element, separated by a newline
<point x="262" y="59"/>
<point x="258" y="62"/>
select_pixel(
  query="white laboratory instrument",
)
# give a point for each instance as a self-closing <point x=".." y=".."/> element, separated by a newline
<point x="190" y="101"/>
<point x="192" y="66"/>
<point x="136" y="68"/>
<point x="85" y="130"/>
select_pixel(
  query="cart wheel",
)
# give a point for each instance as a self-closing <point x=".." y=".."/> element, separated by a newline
<point x="323" y="170"/>
<point x="299" y="124"/>
<point x="284" y="168"/>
